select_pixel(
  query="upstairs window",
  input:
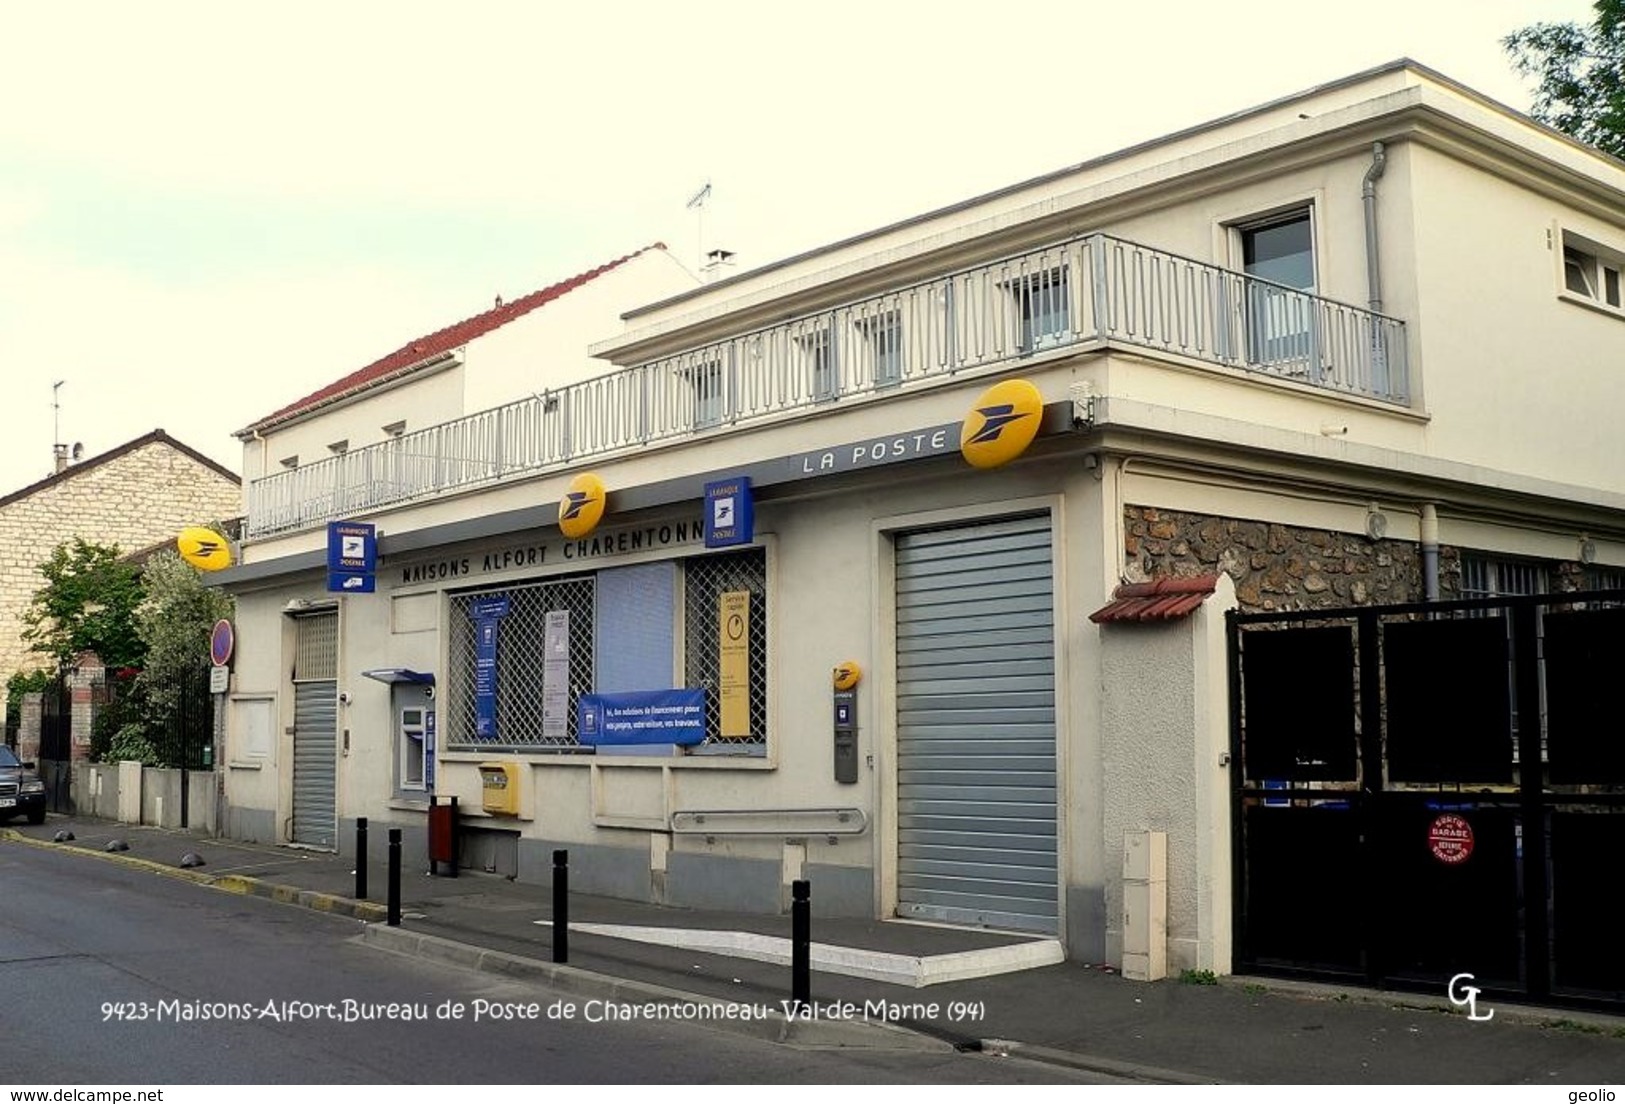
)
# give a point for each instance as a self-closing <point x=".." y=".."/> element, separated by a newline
<point x="1591" y="271"/>
<point x="289" y="462"/>
<point x="818" y="356"/>
<point x="1278" y="254"/>
<point x="339" y="448"/>
<point x="1043" y="308"/>
<point x="882" y="337"/>
<point x="706" y="380"/>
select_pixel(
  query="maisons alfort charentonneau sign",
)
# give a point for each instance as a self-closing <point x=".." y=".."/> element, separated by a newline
<point x="508" y="557"/>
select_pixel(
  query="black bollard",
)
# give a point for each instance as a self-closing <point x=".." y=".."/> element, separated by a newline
<point x="360" y="858"/>
<point x="801" y="944"/>
<point x="394" y="920"/>
<point x="561" y="906"/>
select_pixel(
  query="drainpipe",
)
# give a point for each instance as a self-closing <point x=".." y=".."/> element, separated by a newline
<point x="1430" y="552"/>
<point x="1368" y="193"/>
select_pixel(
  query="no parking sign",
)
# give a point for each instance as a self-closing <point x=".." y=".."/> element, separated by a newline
<point x="1450" y="838"/>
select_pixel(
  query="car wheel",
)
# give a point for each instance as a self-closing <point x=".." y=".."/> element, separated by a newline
<point x="36" y="816"/>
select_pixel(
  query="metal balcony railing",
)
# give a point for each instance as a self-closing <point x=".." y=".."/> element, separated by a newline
<point x="1092" y="289"/>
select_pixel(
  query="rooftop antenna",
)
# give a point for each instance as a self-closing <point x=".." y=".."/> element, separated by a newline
<point x="696" y="203"/>
<point x="59" y="451"/>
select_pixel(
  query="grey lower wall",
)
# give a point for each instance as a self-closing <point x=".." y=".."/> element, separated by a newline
<point x="252" y="825"/>
<point x="723" y="883"/>
<point x="95" y="789"/>
<point x="845" y="891"/>
<point x="1086" y="923"/>
<point x="602" y="871"/>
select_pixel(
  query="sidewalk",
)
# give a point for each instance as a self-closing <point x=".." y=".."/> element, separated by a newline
<point x="1240" y="1030"/>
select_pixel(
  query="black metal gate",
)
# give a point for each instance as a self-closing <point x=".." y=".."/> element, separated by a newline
<point x="56" y="745"/>
<point x="1386" y="828"/>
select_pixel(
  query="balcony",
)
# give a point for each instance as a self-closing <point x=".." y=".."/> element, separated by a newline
<point x="1091" y="291"/>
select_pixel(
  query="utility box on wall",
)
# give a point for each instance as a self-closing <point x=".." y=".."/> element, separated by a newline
<point x="499" y="788"/>
<point x="1145" y="906"/>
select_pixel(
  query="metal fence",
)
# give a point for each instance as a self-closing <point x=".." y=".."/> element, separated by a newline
<point x="1095" y="288"/>
<point x="521" y="689"/>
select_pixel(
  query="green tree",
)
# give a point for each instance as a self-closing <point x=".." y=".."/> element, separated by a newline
<point x="1581" y="70"/>
<point x="88" y="603"/>
<point x="174" y="624"/>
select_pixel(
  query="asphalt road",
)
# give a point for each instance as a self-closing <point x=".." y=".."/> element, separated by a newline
<point x="107" y="975"/>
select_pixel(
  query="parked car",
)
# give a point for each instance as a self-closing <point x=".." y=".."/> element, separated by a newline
<point x="21" y="790"/>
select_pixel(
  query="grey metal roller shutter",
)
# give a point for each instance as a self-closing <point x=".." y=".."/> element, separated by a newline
<point x="976" y="725"/>
<point x="315" y="729"/>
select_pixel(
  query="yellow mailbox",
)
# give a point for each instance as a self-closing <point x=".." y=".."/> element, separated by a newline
<point x="499" y="784"/>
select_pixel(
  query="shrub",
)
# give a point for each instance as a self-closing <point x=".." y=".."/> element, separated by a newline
<point x="130" y="742"/>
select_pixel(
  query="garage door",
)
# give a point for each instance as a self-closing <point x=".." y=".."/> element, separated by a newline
<point x="976" y="794"/>
<point x="315" y="727"/>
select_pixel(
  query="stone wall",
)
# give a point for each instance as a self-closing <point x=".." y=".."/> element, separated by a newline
<point x="133" y="499"/>
<point x="1274" y="567"/>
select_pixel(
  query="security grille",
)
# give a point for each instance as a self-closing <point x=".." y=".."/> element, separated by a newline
<point x="976" y="769"/>
<point x="1482" y="577"/>
<point x="315" y="727"/>
<point x="521" y="650"/>
<point x="316" y="647"/>
<point x="706" y="579"/>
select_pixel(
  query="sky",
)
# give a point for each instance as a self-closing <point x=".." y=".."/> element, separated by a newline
<point x="209" y="210"/>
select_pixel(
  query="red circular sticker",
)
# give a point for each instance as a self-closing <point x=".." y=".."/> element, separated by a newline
<point x="1450" y="838"/>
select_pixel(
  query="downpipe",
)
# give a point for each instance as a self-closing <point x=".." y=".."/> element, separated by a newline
<point x="1368" y="196"/>
<point x="1430" y="552"/>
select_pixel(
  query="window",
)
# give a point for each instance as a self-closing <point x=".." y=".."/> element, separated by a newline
<point x="661" y="625"/>
<point x="882" y="338"/>
<point x="1043" y="308"/>
<point x="289" y="462"/>
<point x="1278" y="256"/>
<point x="818" y="356"/>
<point x="394" y="430"/>
<point x="339" y="448"/>
<point x="1591" y="271"/>
<point x="1486" y="577"/>
<point x="705" y="580"/>
<point x="1605" y="578"/>
<point x="706" y="380"/>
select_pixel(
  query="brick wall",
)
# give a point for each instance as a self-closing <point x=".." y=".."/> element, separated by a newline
<point x="1274" y="567"/>
<point x="133" y="500"/>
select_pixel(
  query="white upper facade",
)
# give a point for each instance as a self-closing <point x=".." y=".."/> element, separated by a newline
<point x="1211" y="289"/>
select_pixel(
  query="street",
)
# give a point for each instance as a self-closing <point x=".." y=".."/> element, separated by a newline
<point x="110" y="975"/>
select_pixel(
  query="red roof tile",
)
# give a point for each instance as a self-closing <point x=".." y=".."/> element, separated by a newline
<point x="424" y="349"/>
<point x="1165" y="599"/>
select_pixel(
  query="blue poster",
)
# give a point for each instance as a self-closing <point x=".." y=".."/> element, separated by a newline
<point x="487" y="613"/>
<point x="352" y="557"/>
<point x="428" y="750"/>
<point x="642" y="717"/>
<point x="730" y="517"/>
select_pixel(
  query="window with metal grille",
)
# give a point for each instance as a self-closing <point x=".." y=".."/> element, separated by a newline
<point x="1605" y="578"/>
<point x="818" y="354"/>
<point x="1044" y="309"/>
<point x="522" y="673"/>
<point x="1485" y="577"/>
<point x="316" y="647"/>
<point x="706" y="580"/>
<point x="708" y="396"/>
<point x="883" y="338"/>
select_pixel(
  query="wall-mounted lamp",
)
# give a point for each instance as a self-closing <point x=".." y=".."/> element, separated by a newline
<point x="1376" y="523"/>
<point x="1588" y="550"/>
